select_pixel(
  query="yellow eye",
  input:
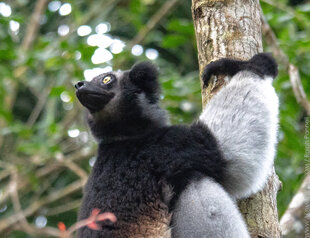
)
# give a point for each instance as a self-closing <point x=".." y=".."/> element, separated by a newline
<point x="107" y="79"/>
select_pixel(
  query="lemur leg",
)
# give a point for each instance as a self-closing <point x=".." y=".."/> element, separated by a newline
<point x="203" y="210"/>
<point x="243" y="116"/>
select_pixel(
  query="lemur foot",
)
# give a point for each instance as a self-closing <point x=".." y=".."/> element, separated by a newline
<point x="261" y="64"/>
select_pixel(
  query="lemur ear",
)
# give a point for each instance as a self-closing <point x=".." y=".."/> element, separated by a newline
<point x="145" y="76"/>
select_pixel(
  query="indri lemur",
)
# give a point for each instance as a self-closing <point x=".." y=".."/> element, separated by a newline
<point x="178" y="181"/>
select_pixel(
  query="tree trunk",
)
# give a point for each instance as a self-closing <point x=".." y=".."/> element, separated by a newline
<point x="232" y="28"/>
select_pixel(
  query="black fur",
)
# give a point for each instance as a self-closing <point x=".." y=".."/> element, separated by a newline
<point x="261" y="64"/>
<point x="144" y="75"/>
<point x="130" y="174"/>
<point x="139" y="155"/>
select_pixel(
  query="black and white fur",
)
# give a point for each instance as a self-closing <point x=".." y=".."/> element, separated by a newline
<point x="179" y="181"/>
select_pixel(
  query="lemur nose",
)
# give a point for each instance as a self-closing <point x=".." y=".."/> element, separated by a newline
<point x="79" y="84"/>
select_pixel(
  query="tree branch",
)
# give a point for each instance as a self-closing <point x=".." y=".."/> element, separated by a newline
<point x="38" y="107"/>
<point x="6" y="223"/>
<point x="33" y="26"/>
<point x="49" y="231"/>
<point x="74" y="168"/>
<point x="155" y="19"/>
<point x="272" y="41"/>
<point x="293" y="221"/>
<point x="64" y="208"/>
<point x="293" y="71"/>
<point x="289" y="10"/>
<point x="298" y="89"/>
<point x="47" y="169"/>
<point x="16" y="202"/>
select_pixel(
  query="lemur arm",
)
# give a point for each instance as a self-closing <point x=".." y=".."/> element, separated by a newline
<point x="243" y="116"/>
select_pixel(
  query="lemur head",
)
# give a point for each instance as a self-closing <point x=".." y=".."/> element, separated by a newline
<point x="123" y="104"/>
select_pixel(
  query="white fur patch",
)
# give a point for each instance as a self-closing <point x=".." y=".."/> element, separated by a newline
<point x="205" y="209"/>
<point x="243" y="116"/>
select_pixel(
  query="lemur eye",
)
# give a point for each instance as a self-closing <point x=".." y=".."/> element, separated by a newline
<point x="107" y="79"/>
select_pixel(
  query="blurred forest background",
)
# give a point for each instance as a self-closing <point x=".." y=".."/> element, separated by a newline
<point x="46" y="151"/>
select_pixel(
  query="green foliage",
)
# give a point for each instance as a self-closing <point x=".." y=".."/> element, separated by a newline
<point x="39" y="114"/>
<point x="292" y="28"/>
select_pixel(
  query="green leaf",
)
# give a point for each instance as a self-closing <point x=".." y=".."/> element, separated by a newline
<point x="173" y="41"/>
<point x="182" y="26"/>
<point x="56" y="91"/>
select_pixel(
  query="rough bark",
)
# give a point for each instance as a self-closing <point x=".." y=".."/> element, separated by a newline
<point x="232" y="28"/>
